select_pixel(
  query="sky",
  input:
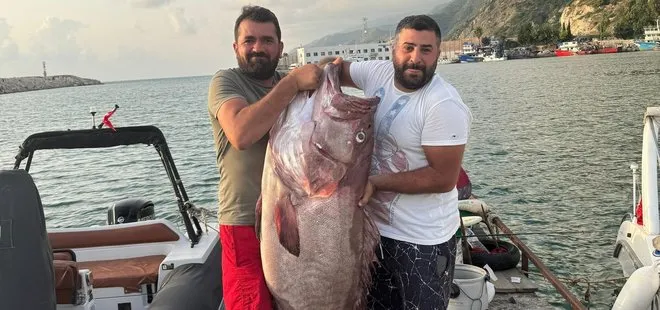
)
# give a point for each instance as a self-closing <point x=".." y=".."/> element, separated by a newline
<point x="113" y="40"/>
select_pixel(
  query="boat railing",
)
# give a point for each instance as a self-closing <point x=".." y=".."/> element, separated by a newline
<point x="528" y="255"/>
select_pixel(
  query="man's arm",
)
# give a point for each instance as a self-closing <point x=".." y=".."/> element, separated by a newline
<point x="438" y="177"/>
<point x="245" y="124"/>
<point x="345" y="73"/>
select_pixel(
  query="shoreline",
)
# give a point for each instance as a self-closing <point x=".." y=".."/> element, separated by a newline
<point x="34" y="83"/>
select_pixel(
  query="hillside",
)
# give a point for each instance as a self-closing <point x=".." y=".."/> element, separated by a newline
<point x="542" y="19"/>
<point x="619" y="18"/>
<point x="502" y="18"/>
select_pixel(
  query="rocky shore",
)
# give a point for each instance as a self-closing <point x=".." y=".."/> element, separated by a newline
<point x="30" y="83"/>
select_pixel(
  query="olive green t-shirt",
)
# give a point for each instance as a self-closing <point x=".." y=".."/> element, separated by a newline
<point x="240" y="171"/>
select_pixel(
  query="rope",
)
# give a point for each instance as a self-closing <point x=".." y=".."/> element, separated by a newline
<point x="578" y="281"/>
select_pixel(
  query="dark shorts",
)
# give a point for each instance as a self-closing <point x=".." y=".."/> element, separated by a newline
<point x="411" y="276"/>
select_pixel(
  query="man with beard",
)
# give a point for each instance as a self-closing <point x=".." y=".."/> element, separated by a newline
<point x="243" y="104"/>
<point x="422" y="127"/>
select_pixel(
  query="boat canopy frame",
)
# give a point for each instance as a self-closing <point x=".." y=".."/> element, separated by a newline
<point x="121" y="136"/>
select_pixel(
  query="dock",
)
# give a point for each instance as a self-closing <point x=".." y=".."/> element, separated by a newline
<point x="513" y="288"/>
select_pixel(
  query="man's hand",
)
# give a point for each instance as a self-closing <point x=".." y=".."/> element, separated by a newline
<point x="369" y="190"/>
<point x="307" y="77"/>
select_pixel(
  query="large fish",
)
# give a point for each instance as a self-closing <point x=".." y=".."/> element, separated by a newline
<point x="317" y="245"/>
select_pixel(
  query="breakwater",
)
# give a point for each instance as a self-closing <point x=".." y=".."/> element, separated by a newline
<point x="31" y="83"/>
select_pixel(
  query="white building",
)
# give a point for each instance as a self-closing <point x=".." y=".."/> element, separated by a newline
<point x="352" y="52"/>
<point x="652" y="33"/>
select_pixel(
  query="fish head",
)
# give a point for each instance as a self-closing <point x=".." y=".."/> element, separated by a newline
<point x="342" y="134"/>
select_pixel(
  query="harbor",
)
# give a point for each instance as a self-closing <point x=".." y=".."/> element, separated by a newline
<point x="555" y="171"/>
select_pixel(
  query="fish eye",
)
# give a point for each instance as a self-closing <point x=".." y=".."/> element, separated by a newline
<point x="360" y="136"/>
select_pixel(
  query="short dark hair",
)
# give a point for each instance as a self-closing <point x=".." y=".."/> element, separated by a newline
<point x="258" y="14"/>
<point x="419" y="22"/>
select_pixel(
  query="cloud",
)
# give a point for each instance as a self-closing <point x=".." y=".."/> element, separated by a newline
<point x="180" y="23"/>
<point x="56" y="39"/>
<point x="8" y="48"/>
<point x="149" y="4"/>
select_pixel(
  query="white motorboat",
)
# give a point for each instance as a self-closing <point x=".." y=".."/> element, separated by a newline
<point x="135" y="262"/>
<point x="637" y="244"/>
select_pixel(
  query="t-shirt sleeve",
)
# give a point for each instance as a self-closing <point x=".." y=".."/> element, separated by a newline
<point x="447" y="123"/>
<point x="367" y="75"/>
<point x="223" y="87"/>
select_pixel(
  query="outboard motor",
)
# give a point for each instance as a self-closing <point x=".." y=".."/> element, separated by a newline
<point x="131" y="210"/>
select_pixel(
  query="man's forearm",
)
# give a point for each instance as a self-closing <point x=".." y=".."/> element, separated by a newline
<point x="419" y="181"/>
<point x="255" y="120"/>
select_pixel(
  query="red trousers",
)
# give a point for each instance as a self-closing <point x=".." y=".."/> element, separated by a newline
<point x="243" y="283"/>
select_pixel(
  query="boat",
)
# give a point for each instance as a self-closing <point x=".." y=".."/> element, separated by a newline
<point x="637" y="245"/>
<point x="569" y="48"/>
<point x="646" y="46"/>
<point x="135" y="261"/>
<point x="607" y="50"/>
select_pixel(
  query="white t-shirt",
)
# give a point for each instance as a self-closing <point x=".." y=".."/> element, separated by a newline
<point x="433" y="115"/>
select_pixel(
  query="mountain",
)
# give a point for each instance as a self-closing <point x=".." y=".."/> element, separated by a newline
<point x="507" y="18"/>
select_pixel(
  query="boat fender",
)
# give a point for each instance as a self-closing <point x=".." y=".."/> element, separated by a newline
<point x="640" y="289"/>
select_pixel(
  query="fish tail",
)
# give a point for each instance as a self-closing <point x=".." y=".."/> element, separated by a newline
<point x="368" y="258"/>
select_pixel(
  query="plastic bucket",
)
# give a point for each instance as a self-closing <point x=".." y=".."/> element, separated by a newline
<point x="470" y="284"/>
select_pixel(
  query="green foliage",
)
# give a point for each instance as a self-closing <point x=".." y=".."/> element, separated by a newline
<point x="526" y="34"/>
<point x="603" y="26"/>
<point x="565" y="33"/>
<point x="630" y="21"/>
<point x="478" y="32"/>
<point x="545" y="33"/>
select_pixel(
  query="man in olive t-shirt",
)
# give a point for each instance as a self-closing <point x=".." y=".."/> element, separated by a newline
<point x="243" y="105"/>
<point x="240" y="171"/>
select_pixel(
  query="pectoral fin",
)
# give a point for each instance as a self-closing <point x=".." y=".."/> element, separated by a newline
<point x="286" y="221"/>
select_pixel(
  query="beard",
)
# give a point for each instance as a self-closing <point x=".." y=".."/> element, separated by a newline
<point x="413" y="82"/>
<point x="257" y="65"/>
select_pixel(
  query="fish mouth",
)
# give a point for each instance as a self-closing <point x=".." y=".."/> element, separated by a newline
<point x="323" y="152"/>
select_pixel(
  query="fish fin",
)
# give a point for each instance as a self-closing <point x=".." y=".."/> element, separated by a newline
<point x="286" y="221"/>
<point x="369" y="259"/>
<point x="257" y="223"/>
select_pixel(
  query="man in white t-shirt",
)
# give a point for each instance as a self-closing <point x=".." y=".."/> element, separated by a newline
<point x="422" y="127"/>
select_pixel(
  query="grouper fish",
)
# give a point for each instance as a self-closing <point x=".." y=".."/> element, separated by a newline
<point x="317" y="245"/>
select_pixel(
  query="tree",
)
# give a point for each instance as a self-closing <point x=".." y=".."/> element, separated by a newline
<point x="602" y="27"/>
<point x="623" y="30"/>
<point x="485" y="41"/>
<point x="569" y="34"/>
<point x="526" y="34"/>
<point x="563" y="35"/>
<point x="547" y="33"/>
<point x="478" y="32"/>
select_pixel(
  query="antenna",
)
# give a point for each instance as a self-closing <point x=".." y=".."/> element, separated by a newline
<point x="365" y="29"/>
<point x="91" y="111"/>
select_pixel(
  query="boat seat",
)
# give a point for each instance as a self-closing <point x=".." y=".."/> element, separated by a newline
<point x="128" y="273"/>
<point x="67" y="281"/>
<point x="121" y="235"/>
<point x="64" y="254"/>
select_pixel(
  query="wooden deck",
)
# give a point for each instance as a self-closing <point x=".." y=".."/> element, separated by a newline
<point x="509" y="294"/>
<point x="513" y="290"/>
<point x="513" y="281"/>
